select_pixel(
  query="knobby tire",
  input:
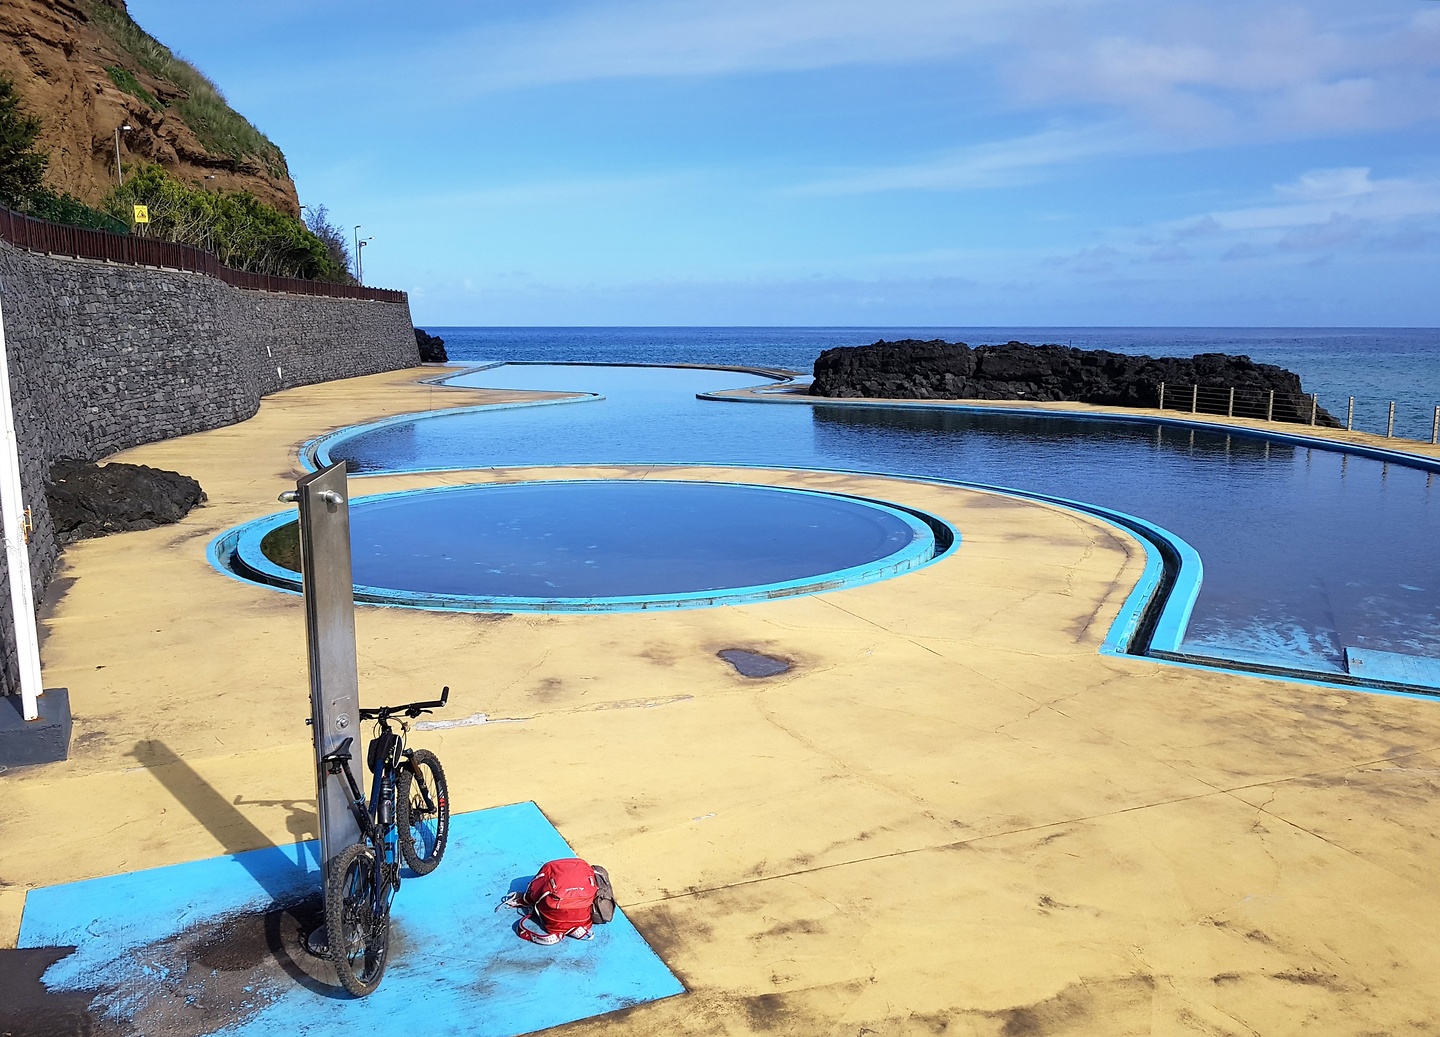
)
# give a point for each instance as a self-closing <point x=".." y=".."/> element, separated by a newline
<point x="424" y="828"/>
<point x="359" y="941"/>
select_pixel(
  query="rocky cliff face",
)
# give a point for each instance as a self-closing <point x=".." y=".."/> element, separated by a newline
<point x="84" y="68"/>
<point x="939" y="370"/>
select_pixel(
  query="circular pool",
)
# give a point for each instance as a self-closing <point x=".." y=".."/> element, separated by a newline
<point x="601" y="545"/>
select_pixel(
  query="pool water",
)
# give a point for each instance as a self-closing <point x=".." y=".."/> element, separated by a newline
<point x="1306" y="551"/>
<point x="580" y="545"/>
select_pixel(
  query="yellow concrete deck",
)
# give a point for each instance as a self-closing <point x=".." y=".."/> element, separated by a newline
<point x="952" y="815"/>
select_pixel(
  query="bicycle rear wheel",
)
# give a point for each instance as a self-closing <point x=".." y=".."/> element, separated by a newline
<point x="358" y="934"/>
<point x="422" y="811"/>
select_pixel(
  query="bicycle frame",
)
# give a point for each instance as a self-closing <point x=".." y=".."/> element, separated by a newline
<point x="377" y="817"/>
<point x="362" y="880"/>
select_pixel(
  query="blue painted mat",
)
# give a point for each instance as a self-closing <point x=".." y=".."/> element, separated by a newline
<point x="189" y="948"/>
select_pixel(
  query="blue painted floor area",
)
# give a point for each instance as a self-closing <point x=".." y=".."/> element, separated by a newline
<point x="1392" y="666"/>
<point x="455" y="962"/>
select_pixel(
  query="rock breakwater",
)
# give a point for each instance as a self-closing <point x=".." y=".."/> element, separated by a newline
<point x="938" y="370"/>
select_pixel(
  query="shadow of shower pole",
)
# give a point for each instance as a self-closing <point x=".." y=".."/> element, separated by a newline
<point x="267" y="864"/>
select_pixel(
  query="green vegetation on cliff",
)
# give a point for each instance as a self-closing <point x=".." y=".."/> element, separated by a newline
<point x="22" y="168"/>
<point x="198" y="101"/>
<point x="125" y="80"/>
<point x="240" y="230"/>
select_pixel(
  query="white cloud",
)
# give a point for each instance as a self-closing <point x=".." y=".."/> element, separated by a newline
<point x="1002" y="163"/>
<point x="1320" y="196"/>
<point x="1319" y="184"/>
<point x="1230" y="72"/>
<point x="1321" y="213"/>
<point x="662" y="38"/>
<point x="488" y="48"/>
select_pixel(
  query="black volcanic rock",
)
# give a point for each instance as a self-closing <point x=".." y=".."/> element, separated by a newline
<point x="938" y="370"/>
<point x="432" y="347"/>
<point x="89" y="500"/>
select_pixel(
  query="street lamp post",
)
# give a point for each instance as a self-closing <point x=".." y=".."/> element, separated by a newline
<point x="359" y="257"/>
<point x="119" y="173"/>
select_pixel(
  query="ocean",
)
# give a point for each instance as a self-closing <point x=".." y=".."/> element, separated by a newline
<point x="1374" y="365"/>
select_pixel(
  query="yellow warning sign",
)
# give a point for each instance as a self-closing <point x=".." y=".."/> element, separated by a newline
<point x="142" y="214"/>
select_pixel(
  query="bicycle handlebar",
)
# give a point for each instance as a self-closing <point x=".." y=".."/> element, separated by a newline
<point x="412" y="709"/>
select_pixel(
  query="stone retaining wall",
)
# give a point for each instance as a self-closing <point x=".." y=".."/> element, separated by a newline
<point x="105" y="357"/>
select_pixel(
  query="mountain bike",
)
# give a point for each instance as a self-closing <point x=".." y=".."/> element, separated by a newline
<point x="408" y="816"/>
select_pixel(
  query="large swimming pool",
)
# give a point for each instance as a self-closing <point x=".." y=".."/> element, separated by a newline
<point x="1306" y="551"/>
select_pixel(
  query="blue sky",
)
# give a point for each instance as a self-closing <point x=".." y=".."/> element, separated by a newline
<point x="846" y="162"/>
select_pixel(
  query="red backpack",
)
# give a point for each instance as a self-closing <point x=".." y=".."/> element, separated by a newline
<point x="566" y="897"/>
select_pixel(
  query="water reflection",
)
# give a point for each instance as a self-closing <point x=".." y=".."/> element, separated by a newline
<point x="919" y="424"/>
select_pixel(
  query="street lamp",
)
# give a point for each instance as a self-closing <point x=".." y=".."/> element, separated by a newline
<point x="360" y="259"/>
<point x="119" y="173"/>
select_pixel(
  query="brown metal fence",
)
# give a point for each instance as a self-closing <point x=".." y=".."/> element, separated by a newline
<point x="59" y="239"/>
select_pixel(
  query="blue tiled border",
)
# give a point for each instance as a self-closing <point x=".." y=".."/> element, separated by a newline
<point x="237" y="553"/>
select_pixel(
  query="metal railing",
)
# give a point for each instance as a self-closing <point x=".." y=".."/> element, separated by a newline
<point x="58" y="239"/>
<point x="1295" y="408"/>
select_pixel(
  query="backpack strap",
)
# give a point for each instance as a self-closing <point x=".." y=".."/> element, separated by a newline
<point x="526" y="933"/>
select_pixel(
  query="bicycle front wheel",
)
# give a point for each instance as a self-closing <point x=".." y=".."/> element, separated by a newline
<point x="422" y="811"/>
<point x="357" y="920"/>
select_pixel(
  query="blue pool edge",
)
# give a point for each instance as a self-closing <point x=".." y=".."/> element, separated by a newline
<point x="241" y="545"/>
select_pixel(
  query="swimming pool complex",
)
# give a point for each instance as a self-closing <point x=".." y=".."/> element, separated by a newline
<point x="1308" y="552"/>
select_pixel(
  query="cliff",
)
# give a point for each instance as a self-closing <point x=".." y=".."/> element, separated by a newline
<point x="85" y="68"/>
<point x="937" y="370"/>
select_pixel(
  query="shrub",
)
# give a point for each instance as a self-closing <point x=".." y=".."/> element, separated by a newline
<point x="242" y="231"/>
<point x="65" y="208"/>
<point x="22" y="171"/>
<point x="317" y="218"/>
<point x="22" y="168"/>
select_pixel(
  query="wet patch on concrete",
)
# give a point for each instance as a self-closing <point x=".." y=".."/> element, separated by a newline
<point x="767" y="1012"/>
<point x="548" y="691"/>
<point x="797" y="927"/>
<point x="213" y="975"/>
<point x="28" y="1008"/>
<point x="1118" y="1002"/>
<point x="216" y="974"/>
<point x="89" y="740"/>
<point x="756" y="665"/>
